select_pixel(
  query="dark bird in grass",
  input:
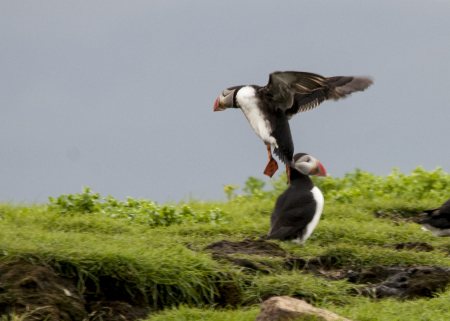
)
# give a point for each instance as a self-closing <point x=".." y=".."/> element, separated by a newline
<point x="437" y="220"/>
<point x="298" y="210"/>
<point x="269" y="108"/>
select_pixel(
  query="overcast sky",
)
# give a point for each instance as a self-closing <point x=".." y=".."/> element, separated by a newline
<point x="118" y="95"/>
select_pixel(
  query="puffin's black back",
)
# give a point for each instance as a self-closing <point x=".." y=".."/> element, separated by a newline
<point x="280" y="126"/>
<point x="440" y="217"/>
<point x="445" y="209"/>
<point x="294" y="209"/>
<point x="282" y="134"/>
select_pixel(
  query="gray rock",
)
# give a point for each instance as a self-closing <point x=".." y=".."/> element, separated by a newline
<point x="283" y="308"/>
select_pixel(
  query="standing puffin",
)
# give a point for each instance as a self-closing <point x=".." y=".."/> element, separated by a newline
<point x="269" y="108"/>
<point x="437" y="220"/>
<point x="298" y="210"/>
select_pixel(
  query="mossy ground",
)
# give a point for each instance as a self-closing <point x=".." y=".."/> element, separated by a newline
<point x="169" y="266"/>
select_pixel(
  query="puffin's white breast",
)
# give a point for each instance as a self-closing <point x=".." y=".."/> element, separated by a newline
<point x="318" y="197"/>
<point x="249" y="104"/>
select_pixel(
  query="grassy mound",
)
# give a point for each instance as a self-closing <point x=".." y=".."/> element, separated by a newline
<point x="156" y="253"/>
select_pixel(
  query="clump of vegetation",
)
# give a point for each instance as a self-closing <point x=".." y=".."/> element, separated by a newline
<point x="161" y="253"/>
<point x="185" y="313"/>
<point x="303" y="286"/>
<point x="359" y="186"/>
<point x="136" y="211"/>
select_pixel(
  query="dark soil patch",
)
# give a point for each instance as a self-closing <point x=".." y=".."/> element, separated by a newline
<point x="40" y="293"/>
<point x="397" y="281"/>
<point x="25" y="287"/>
<point x="229" y="295"/>
<point x="380" y="281"/>
<point x="116" y="311"/>
<point x="373" y="275"/>
<point x="314" y="264"/>
<point x="416" y="246"/>
<point x="108" y="289"/>
<point x="253" y="265"/>
<point x="397" y="217"/>
<point x="222" y="250"/>
<point x="248" y="246"/>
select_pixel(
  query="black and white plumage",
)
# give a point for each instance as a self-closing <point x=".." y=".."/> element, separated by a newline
<point x="437" y="220"/>
<point x="269" y="108"/>
<point x="297" y="211"/>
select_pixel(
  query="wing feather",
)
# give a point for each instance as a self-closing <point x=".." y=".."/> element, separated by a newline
<point x="334" y="88"/>
<point x="282" y="86"/>
<point x="295" y="92"/>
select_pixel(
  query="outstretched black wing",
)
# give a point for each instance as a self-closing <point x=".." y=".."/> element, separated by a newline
<point x="282" y="86"/>
<point x="333" y="88"/>
<point x="295" y="92"/>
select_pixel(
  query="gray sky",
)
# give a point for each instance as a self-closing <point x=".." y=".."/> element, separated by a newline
<point x="118" y="95"/>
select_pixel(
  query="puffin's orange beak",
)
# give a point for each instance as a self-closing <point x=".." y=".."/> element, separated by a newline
<point x="322" y="171"/>
<point x="217" y="106"/>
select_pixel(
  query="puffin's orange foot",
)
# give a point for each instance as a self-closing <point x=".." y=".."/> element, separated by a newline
<point x="271" y="167"/>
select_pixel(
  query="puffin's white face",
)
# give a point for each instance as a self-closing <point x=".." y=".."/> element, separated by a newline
<point x="227" y="99"/>
<point x="308" y="165"/>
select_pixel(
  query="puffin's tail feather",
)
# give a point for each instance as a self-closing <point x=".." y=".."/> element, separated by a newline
<point x="282" y="157"/>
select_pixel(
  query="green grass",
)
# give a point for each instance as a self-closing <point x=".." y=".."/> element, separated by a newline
<point x="145" y="244"/>
<point x="184" y="313"/>
<point x="303" y="286"/>
<point x="162" y="267"/>
<point x="364" y="309"/>
<point x="361" y="309"/>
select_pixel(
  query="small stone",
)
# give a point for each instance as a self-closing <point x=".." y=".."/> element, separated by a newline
<point x="283" y="308"/>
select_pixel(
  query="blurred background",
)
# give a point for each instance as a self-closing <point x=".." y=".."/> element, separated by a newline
<point x="118" y="96"/>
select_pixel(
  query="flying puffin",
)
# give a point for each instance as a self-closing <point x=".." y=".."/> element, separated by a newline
<point x="437" y="220"/>
<point x="297" y="211"/>
<point x="287" y="93"/>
